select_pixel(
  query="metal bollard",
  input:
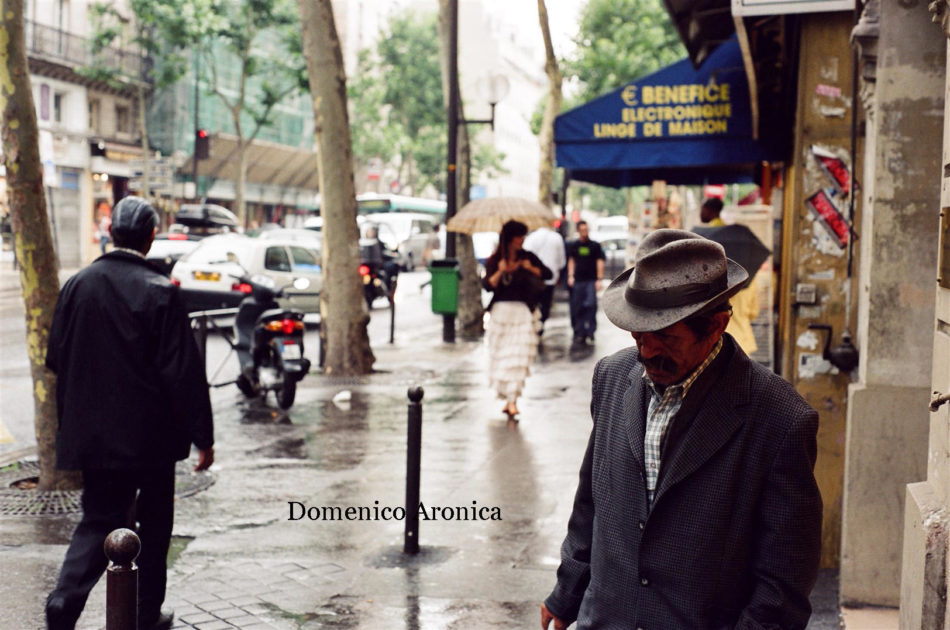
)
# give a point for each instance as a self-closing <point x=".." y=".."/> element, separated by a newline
<point x="392" y="319"/>
<point x="413" y="462"/>
<point x="122" y="547"/>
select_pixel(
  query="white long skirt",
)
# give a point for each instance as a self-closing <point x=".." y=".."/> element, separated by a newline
<point x="512" y="347"/>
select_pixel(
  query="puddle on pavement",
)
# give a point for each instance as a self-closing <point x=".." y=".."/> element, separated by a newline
<point x="284" y="447"/>
<point x="394" y="558"/>
<point x="258" y="412"/>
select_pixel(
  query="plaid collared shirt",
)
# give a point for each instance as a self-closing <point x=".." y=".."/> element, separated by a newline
<point x="662" y="407"/>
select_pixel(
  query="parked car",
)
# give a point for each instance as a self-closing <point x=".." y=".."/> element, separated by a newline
<point x="412" y="232"/>
<point x="193" y="222"/>
<point x="294" y="234"/>
<point x="169" y="247"/>
<point x="218" y="261"/>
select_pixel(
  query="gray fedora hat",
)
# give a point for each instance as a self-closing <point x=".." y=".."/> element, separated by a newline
<point x="675" y="274"/>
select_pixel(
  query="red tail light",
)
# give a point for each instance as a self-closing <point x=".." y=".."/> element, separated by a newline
<point x="243" y="287"/>
<point x="176" y="282"/>
<point x="364" y="270"/>
<point x="286" y="326"/>
<point x="178" y="236"/>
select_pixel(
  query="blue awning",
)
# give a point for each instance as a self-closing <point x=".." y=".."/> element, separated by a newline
<point x="681" y="124"/>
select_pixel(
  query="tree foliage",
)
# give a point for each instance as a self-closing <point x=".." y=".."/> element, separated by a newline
<point x="397" y="111"/>
<point x="619" y="41"/>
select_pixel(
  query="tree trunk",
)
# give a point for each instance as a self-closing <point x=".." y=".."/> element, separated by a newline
<point x="551" y="109"/>
<point x="341" y="302"/>
<point x="471" y="316"/>
<point x="33" y="241"/>
<point x="146" y="154"/>
<point x="240" y="186"/>
<point x="471" y="311"/>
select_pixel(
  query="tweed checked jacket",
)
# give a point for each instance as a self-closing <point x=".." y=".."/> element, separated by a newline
<point x="733" y="536"/>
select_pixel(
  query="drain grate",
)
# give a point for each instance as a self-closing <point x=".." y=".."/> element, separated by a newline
<point x="16" y="502"/>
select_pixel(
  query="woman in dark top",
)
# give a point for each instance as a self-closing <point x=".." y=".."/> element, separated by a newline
<point x="516" y="277"/>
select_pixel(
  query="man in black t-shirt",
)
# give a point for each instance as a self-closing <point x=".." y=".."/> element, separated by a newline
<point x="585" y="270"/>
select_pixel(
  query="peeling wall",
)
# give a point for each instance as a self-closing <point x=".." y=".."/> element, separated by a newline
<point x="887" y="407"/>
<point x="815" y="248"/>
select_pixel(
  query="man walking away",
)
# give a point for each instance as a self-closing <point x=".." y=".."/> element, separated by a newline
<point x="585" y="270"/>
<point x="547" y="245"/>
<point x="697" y="507"/>
<point x="132" y="397"/>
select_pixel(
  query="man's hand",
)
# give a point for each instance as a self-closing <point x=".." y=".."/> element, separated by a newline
<point x="546" y="618"/>
<point x="205" y="458"/>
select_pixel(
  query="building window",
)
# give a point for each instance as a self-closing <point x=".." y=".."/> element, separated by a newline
<point x="94" y="105"/>
<point x="59" y="99"/>
<point x="122" y="119"/>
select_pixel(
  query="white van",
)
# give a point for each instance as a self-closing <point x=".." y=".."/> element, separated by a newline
<point x="412" y="230"/>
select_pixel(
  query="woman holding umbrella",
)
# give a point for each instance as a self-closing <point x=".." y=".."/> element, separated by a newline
<point x="516" y="278"/>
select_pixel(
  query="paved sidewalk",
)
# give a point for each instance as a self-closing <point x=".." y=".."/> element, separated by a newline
<point x="239" y="561"/>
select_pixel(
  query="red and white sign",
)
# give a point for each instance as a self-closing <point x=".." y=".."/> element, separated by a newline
<point x="834" y="169"/>
<point x="829" y="216"/>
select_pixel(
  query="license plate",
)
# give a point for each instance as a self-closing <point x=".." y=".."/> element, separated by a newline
<point x="291" y="351"/>
<point x="211" y="276"/>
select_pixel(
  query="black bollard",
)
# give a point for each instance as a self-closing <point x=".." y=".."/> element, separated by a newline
<point x="413" y="463"/>
<point x="122" y="547"/>
<point x="392" y="318"/>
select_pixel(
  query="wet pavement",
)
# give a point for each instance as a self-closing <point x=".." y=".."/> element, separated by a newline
<point x="263" y="548"/>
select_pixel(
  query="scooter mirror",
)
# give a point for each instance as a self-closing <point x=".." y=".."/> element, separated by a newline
<point x="301" y="284"/>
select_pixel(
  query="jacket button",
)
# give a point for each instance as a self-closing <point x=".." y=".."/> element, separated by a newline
<point x="641" y="525"/>
<point x="644" y="581"/>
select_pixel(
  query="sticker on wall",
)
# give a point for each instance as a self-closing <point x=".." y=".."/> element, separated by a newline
<point x="811" y="365"/>
<point x="824" y="208"/>
<point x="835" y="170"/>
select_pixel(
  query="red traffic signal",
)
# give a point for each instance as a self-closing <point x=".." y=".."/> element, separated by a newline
<point x="202" y="144"/>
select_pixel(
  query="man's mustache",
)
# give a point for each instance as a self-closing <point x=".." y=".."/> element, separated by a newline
<point x="659" y="363"/>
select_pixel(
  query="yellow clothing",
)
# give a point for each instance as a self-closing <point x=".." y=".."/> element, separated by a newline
<point x="745" y="308"/>
<point x="717" y="222"/>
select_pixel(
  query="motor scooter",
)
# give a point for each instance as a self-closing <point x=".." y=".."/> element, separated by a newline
<point x="269" y="341"/>
<point x="378" y="272"/>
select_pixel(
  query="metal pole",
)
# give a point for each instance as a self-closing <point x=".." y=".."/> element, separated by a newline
<point x="122" y="547"/>
<point x="194" y="134"/>
<point x="392" y="318"/>
<point x="448" y="321"/>
<point x="413" y="464"/>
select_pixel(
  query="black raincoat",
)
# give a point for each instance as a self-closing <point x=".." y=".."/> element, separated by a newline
<point x="131" y="390"/>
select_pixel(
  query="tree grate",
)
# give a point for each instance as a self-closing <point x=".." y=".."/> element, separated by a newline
<point x="18" y="502"/>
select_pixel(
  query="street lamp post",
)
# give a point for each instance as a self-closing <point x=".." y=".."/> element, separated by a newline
<point x="492" y="89"/>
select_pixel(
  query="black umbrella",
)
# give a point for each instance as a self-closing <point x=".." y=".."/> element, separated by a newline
<point x="740" y="243"/>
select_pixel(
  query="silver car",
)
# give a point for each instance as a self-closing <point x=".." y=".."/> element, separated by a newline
<point x="218" y="261"/>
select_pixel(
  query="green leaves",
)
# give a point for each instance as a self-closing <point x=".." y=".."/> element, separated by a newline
<point x="395" y="95"/>
<point x="619" y="41"/>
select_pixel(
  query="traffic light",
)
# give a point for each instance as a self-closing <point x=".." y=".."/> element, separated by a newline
<point x="202" y="144"/>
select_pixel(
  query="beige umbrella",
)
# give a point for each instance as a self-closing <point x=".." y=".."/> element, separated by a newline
<point x="488" y="215"/>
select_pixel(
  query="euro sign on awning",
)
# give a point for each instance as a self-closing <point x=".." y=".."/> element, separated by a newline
<point x="681" y="124"/>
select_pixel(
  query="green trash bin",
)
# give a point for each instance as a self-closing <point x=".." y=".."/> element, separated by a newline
<point x="445" y="286"/>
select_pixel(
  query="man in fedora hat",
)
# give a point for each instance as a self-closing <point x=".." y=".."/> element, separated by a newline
<point x="697" y="506"/>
